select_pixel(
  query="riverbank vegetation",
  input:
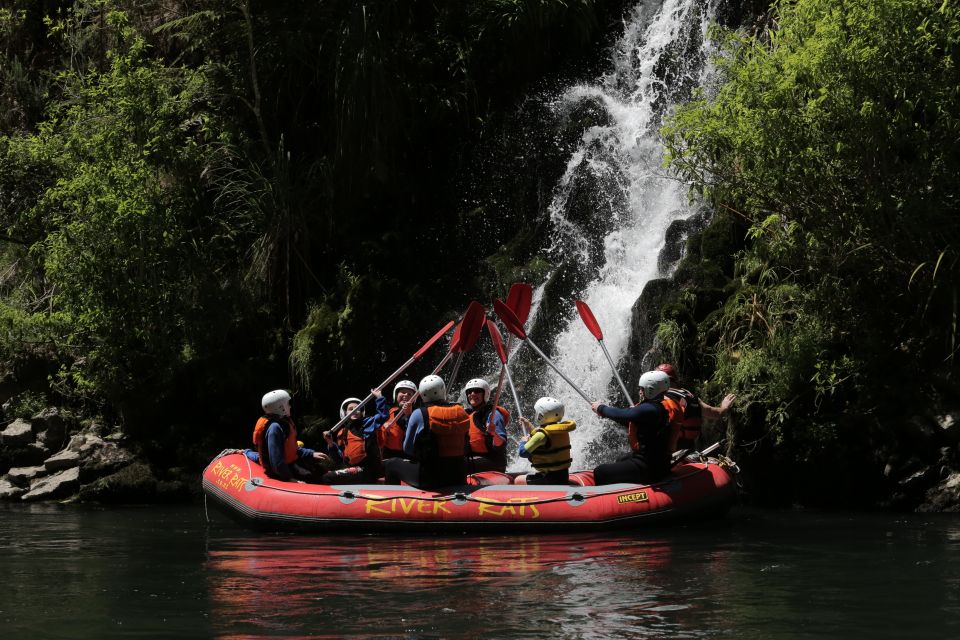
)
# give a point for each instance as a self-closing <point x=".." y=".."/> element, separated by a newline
<point x="192" y="191"/>
<point x="829" y="145"/>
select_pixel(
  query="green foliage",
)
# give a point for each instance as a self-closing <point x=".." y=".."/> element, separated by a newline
<point x="183" y="186"/>
<point x="670" y="337"/>
<point x="121" y="250"/>
<point x="26" y="405"/>
<point x="833" y="138"/>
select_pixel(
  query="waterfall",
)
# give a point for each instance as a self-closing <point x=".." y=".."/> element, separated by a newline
<point x="660" y="59"/>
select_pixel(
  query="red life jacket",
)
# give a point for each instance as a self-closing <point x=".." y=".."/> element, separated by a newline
<point x="290" y="454"/>
<point x="448" y="424"/>
<point x="481" y="440"/>
<point x="687" y="429"/>
<point x="392" y="437"/>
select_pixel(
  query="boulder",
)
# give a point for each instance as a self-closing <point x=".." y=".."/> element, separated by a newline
<point x="59" y="485"/>
<point x="103" y="459"/>
<point x="36" y="451"/>
<point x="131" y="484"/>
<point x="65" y="459"/>
<point x="10" y="491"/>
<point x="50" y="427"/>
<point x="944" y="497"/>
<point x="83" y="443"/>
<point x="18" y="433"/>
<point x="24" y="476"/>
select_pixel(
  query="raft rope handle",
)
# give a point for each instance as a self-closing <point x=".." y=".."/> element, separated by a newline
<point x="464" y="497"/>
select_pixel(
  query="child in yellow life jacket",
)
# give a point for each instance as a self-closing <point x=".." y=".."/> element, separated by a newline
<point x="548" y="446"/>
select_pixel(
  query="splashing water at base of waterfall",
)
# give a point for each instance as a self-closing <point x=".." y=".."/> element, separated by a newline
<point x="659" y="60"/>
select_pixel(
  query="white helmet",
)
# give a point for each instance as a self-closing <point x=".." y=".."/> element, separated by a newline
<point x="343" y="406"/>
<point x="653" y="384"/>
<point x="276" y="403"/>
<point x="404" y="384"/>
<point x="433" y="389"/>
<point x="547" y="410"/>
<point x="478" y="383"/>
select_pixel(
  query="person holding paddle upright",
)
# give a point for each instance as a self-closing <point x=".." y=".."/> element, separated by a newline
<point x="435" y="440"/>
<point x="487" y="443"/>
<point x="649" y="432"/>
<point x="357" y="446"/>
<point x="396" y="427"/>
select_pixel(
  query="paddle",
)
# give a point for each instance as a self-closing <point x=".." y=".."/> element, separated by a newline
<point x="416" y="356"/>
<point x="513" y="325"/>
<point x="502" y="353"/>
<point x="683" y="453"/>
<point x="465" y="336"/>
<point x="519" y="300"/>
<point x="594" y="327"/>
<point x="470" y="330"/>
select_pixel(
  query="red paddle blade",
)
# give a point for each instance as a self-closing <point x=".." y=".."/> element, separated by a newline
<point x="472" y="326"/>
<point x="519" y="300"/>
<point x="587" y="316"/>
<point x="509" y="319"/>
<point x="457" y="336"/>
<point x="429" y="343"/>
<point x="497" y="340"/>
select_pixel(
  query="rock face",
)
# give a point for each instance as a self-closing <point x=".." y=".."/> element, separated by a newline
<point x="33" y="473"/>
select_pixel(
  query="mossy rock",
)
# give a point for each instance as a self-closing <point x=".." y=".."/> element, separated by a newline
<point x="135" y="483"/>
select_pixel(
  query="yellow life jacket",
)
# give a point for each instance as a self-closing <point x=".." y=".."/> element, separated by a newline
<point x="554" y="453"/>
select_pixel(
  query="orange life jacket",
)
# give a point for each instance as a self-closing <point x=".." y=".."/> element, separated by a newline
<point x="448" y="425"/>
<point x="355" y="448"/>
<point x="392" y="437"/>
<point x="687" y="429"/>
<point x="652" y="439"/>
<point x="289" y="445"/>
<point x="481" y="440"/>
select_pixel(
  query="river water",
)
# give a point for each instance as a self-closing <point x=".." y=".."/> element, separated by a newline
<point x="165" y="572"/>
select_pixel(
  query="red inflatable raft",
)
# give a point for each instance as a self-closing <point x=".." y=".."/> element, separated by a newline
<point x="694" y="490"/>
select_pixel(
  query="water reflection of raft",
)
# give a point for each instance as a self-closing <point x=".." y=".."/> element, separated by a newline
<point x="694" y="490"/>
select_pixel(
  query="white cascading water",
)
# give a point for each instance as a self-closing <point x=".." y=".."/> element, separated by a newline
<point x="628" y="153"/>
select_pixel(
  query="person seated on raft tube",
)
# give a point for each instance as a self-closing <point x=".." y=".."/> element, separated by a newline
<point x="695" y="411"/>
<point x="435" y="440"/>
<point x="548" y="445"/>
<point x="275" y="437"/>
<point x="357" y="447"/>
<point x="393" y="435"/>
<point x="487" y="443"/>
<point x="649" y="432"/>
